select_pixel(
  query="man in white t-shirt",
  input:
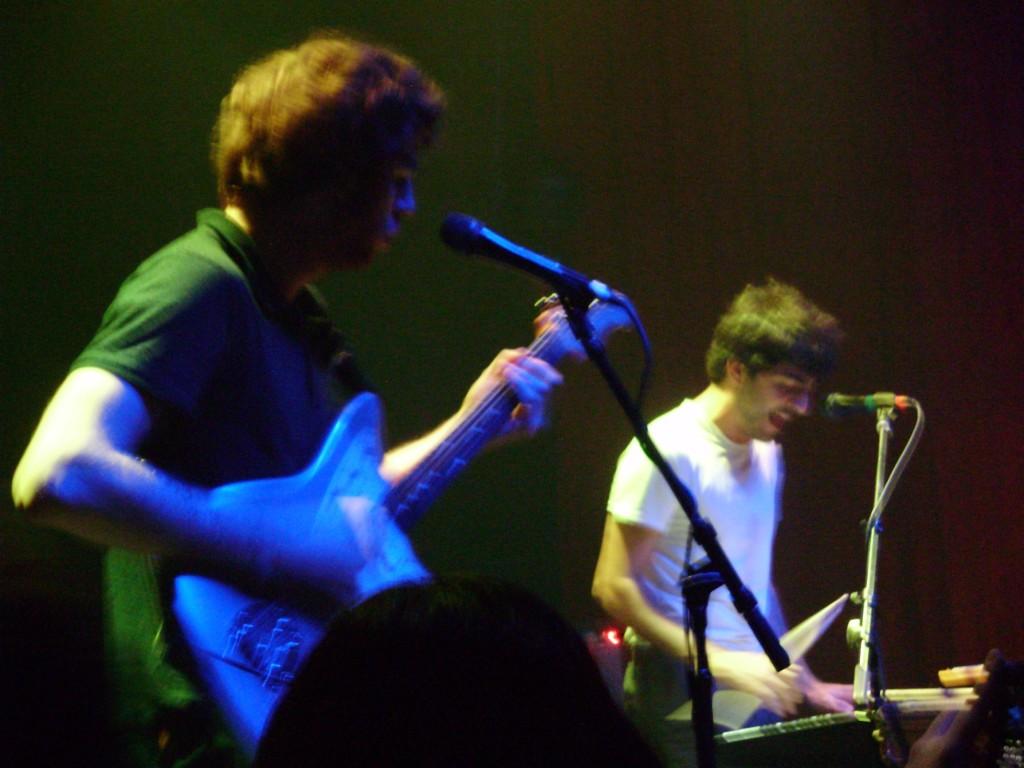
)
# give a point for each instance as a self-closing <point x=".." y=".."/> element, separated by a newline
<point x="766" y="356"/>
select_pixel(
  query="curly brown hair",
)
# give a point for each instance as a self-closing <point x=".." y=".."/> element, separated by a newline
<point x="767" y="325"/>
<point x="332" y="110"/>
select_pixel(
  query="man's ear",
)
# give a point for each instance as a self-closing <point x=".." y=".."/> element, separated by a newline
<point x="735" y="371"/>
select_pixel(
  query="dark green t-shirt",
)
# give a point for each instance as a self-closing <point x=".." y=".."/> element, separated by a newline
<point x="197" y="328"/>
<point x="243" y="390"/>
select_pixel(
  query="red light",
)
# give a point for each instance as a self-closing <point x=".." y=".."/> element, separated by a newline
<point x="612" y="636"/>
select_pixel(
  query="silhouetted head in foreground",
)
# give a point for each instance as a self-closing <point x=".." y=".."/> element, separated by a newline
<point x="460" y="671"/>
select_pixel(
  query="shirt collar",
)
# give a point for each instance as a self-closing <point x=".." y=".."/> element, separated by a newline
<point x="243" y="251"/>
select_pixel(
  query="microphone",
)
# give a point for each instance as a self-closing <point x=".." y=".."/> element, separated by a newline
<point x="464" y="233"/>
<point x="837" y="405"/>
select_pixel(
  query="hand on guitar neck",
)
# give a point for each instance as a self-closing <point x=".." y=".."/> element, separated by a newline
<point x="531" y="378"/>
<point x="511" y="397"/>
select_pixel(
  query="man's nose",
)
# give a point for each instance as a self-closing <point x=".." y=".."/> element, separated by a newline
<point x="405" y="201"/>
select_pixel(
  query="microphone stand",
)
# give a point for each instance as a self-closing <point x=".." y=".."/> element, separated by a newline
<point x="575" y="300"/>
<point x="867" y="675"/>
<point x="697" y="589"/>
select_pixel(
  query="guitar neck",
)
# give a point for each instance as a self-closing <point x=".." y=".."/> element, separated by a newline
<point x="411" y="497"/>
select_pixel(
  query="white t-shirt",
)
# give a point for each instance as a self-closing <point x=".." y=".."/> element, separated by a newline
<point x="737" y="487"/>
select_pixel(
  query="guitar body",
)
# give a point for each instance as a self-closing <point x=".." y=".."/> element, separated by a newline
<point x="246" y="651"/>
<point x="339" y="511"/>
<point x="246" y="648"/>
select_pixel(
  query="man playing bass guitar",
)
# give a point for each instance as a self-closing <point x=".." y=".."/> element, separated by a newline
<point x="215" y="364"/>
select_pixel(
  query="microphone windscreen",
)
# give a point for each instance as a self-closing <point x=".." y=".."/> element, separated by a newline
<point x="460" y="232"/>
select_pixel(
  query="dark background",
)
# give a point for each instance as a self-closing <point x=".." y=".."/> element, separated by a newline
<point x="868" y="152"/>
